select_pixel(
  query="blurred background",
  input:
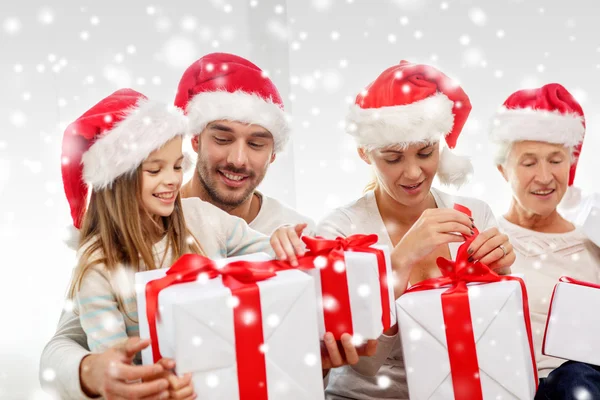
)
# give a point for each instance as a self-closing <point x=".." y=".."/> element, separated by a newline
<point x="58" y="60"/>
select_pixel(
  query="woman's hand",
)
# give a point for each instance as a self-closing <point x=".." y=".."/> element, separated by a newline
<point x="337" y="353"/>
<point x="493" y="249"/>
<point x="286" y="243"/>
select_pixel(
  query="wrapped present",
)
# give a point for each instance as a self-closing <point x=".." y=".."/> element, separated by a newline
<point x="467" y="334"/>
<point x="571" y="328"/>
<point x="242" y="332"/>
<point x="353" y="284"/>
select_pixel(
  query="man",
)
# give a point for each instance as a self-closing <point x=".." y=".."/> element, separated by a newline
<point x="236" y="114"/>
<point x="238" y="126"/>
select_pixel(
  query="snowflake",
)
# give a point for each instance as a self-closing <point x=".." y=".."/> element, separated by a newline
<point x="415" y="334"/>
<point x="383" y="382"/>
<point x="12" y="25"/>
<point x="418" y="34"/>
<point x="179" y="52"/>
<point x="46" y="16"/>
<point x="392" y="38"/>
<point x="94" y="20"/>
<point x="581" y="393"/>
<point x="212" y="381"/>
<point x="403" y="21"/>
<point x="263" y="348"/>
<point x="472" y="57"/>
<point x="163" y="24"/>
<point x="330" y="303"/>
<point x="49" y="375"/>
<point x="322" y="5"/>
<point x="335" y="35"/>
<point x="464" y="40"/>
<point x="196" y="341"/>
<point x="279" y="9"/>
<point x="310" y="359"/>
<point x="253" y="3"/>
<point x="477" y="16"/>
<point x="18" y="118"/>
<point x="357" y="340"/>
<point x="500" y="33"/>
<point x="227" y="8"/>
<point x="332" y="81"/>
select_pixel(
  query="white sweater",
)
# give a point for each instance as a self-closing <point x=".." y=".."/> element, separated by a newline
<point x="220" y="234"/>
<point x="273" y="214"/>
<point x="543" y="258"/>
<point x="362" y="216"/>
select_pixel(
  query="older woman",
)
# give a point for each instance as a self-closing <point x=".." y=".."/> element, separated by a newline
<point x="538" y="134"/>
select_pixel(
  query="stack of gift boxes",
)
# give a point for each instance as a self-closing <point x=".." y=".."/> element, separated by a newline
<point x="249" y="327"/>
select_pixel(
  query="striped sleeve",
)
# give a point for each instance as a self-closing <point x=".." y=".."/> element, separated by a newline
<point x="240" y="239"/>
<point x="99" y="315"/>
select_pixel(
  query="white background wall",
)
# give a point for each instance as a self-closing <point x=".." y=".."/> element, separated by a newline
<point x="58" y="60"/>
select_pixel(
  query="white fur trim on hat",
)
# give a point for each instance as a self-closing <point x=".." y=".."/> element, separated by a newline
<point x="147" y="127"/>
<point x="241" y="106"/>
<point x="453" y="169"/>
<point x="425" y="120"/>
<point x="513" y="125"/>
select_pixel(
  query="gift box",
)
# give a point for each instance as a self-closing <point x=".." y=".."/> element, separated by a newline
<point x="353" y="285"/>
<point x="571" y="328"/>
<point x="243" y="333"/>
<point x="467" y="334"/>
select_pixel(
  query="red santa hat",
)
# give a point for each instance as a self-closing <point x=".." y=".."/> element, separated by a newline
<point x="413" y="103"/>
<point x="225" y="86"/>
<point x="547" y="114"/>
<point x="112" y="139"/>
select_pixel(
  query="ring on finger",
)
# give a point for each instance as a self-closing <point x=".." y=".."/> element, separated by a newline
<point x="503" y="250"/>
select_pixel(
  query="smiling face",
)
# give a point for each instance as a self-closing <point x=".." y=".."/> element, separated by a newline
<point x="162" y="176"/>
<point x="233" y="158"/>
<point x="538" y="173"/>
<point x="406" y="174"/>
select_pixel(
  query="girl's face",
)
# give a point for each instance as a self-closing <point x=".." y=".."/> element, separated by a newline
<point x="406" y="174"/>
<point x="162" y="176"/>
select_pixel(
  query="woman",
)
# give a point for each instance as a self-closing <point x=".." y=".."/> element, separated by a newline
<point x="538" y="136"/>
<point x="398" y="121"/>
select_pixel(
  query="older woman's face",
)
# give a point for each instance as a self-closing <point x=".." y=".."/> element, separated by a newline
<point x="405" y="174"/>
<point x="538" y="173"/>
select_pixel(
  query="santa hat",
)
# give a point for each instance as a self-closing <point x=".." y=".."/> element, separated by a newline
<point x="547" y="114"/>
<point x="413" y="103"/>
<point x="112" y="139"/>
<point x="225" y="86"/>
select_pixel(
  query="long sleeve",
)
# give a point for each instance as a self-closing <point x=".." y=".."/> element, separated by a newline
<point x="99" y="314"/>
<point x="241" y="239"/>
<point x="63" y="355"/>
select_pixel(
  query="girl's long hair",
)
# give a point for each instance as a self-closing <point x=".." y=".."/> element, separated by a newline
<point x="113" y="232"/>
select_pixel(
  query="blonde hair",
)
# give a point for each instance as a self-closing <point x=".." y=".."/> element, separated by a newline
<point x="113" y="232"/>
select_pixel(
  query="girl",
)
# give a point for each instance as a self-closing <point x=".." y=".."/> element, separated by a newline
<point x="128" y="150"/>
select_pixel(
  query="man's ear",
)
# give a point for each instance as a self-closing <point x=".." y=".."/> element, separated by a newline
<point x="196" y="142"/>
<point x="273" y="157"/>
<point x="364" y="155"/>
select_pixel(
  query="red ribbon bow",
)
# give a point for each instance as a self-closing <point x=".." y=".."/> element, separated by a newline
<point x="462" y="351"/>
<point x="241" y="278"/>
<point x="334" y="280"/>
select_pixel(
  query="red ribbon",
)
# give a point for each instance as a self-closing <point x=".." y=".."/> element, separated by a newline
<point x="564" y="279"/>
<point x="462" y="351"/>
<point x="241" y="279"/>
<point x="334" y="281"/>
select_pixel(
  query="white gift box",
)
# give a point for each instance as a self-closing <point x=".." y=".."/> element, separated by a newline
<point x="196" y="329"/>
<point x="504" y="355"/>
<point x="364" y="291"/>
<point x="591" y="225"/>
<point x="572" y="328"/>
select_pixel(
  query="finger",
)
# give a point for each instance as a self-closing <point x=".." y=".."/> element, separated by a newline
<point x="182" y="393"/>
<point x="277" y="248"/>
<point x="494" y="256"/>
<point x="161" y="396"/>
<point x="132" y="346"/>
<point x="368" y="349"/>
<point x="451" y="215"/>
<point x="349" y="349"/>
<point x="299" y="228"/>
<point x="332" y="350"/>
<point x="490" y="247"/>
<point x="288" y="247"/>
<point x="481" y="239"/>
<point x="139" y="390"/>
<point x="124" y="372"/>
<point x="455" y="227"/>
<point x="297" y="243"/>
<point x="167" y="363"/>
<point x="176" y="383"/>
<point x="445" y="238"/>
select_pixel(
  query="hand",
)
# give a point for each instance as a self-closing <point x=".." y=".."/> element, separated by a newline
<point x="332" y="357"/>
<point x="287" y="244"/>
<point x="486" y="248"/>
<point x="435" y="227"/>
<point x="109" y="374"/>
<point x="179" y="387"/>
